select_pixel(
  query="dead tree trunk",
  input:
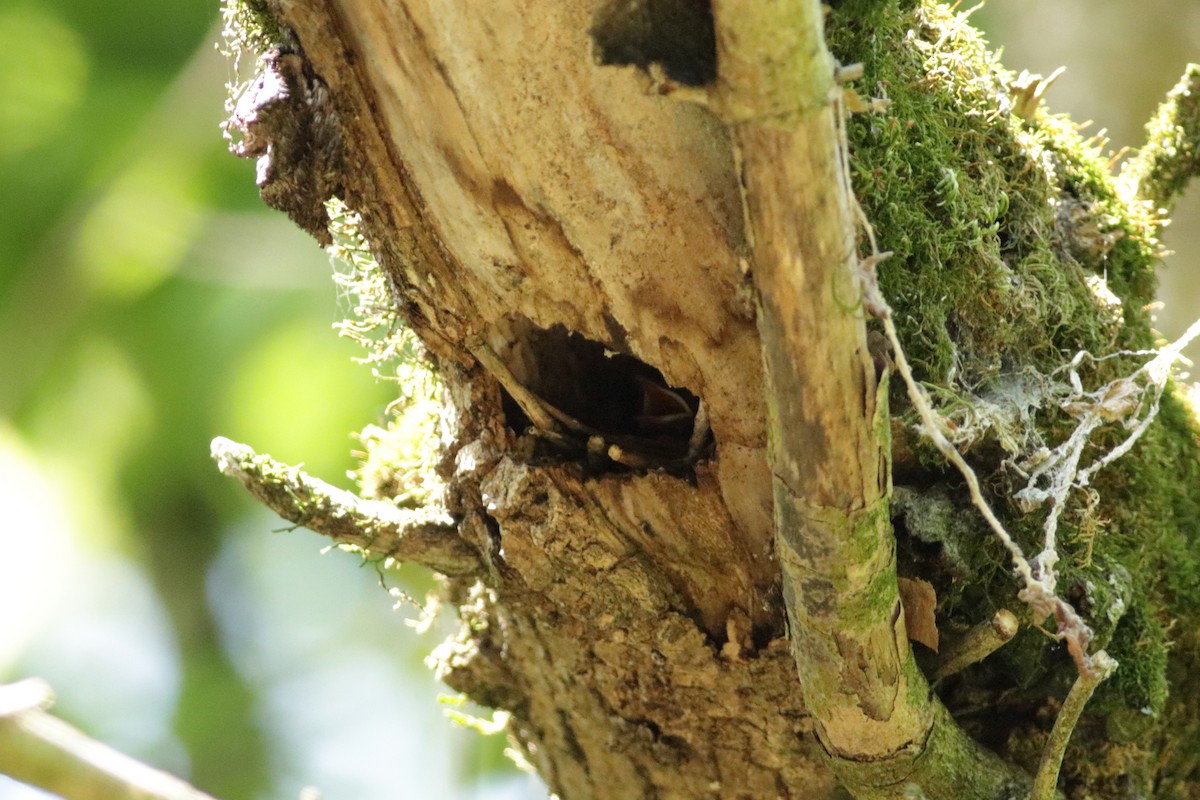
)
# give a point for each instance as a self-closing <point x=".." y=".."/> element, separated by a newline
<point x="630" y="237"/>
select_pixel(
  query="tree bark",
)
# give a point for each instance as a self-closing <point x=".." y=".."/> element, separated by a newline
<point x="667" y="447"/>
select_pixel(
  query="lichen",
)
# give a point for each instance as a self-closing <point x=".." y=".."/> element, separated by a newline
<point x="398" y="458"/>
<point x="249" y="26"/>
<point x="373" y="320"/>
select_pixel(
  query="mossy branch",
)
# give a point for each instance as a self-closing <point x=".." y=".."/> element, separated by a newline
<point x="778" y="88"/>
<point x="1171" y="156"/>
<point x="424" y="536"/>
<point x="41" y="750"/>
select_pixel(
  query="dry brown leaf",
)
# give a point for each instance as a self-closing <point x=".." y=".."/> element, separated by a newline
<point x="920" y="602"/>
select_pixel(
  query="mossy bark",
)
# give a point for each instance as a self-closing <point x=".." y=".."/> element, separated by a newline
<point x="575" y="246"/>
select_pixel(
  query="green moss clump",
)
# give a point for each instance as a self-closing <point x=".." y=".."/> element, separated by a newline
<point x="979" y="206"/>
<point x="1013" y="251"/>
<point x="1171" y="157"/>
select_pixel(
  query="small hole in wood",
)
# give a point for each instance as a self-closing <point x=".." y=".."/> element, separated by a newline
<point x="676" y="34"/>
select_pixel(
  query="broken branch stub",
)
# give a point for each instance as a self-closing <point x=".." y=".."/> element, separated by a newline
<point x="424" y="536"/>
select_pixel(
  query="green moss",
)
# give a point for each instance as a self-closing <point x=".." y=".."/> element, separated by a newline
<point x="966" y="196"/>
<point x="997" y="224"/>
<point x="1171" y="157"/>
<point x="1140" y="682"/>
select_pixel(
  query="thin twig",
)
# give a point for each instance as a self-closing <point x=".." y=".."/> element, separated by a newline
<point x="700" y="431"/>
<point x="539" y="412"/>
<point x="41" y="750"/>
<point x="1046" y="780"/>
<point x="977" y="644"/>
<point x="931" y="426"/>
<point x="26" y="695"/>
<point x="1038" y="592"/>
<point x="422" y="536"/>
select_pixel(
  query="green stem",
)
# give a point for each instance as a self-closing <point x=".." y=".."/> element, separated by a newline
<point x="1046" y="780"/>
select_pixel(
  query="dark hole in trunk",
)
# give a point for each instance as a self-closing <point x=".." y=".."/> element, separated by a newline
<point x="616" y="397"/>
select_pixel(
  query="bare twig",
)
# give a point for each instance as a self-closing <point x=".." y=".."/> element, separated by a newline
<point x="423" y="536"/>
<point x="540" y="413"/>
<point x="977" y="644"/>
<point x="932" y="426"/>
<point x="700" y="431"/>
<point x="1046" y="780"/>
<point x="43" y="751"/>
<point x="1039" y="582"/>
<point x="26" y="695"/>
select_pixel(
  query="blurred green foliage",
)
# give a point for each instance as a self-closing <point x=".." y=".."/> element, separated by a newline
<point x="149" y="301"/>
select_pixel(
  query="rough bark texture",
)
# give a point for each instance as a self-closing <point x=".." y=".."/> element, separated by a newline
<point x="627" y="613"/>
<point x="569" y="242"/>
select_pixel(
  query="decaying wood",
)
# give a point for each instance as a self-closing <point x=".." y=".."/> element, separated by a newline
<point x="630" y="619"/>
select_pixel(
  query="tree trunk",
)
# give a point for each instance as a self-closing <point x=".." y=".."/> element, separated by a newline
<point x="666" y="450"/>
